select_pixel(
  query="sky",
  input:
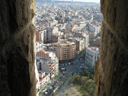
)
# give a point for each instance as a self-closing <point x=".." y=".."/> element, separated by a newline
<point x="88" y="0"/>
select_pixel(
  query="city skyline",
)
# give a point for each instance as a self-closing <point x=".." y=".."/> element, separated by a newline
<point x="96" y="1"/>
<point x="88" y="0"/>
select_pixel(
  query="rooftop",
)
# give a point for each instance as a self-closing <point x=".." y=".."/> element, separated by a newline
<point x="94" y="49"/>
<point x="42" y="75"/>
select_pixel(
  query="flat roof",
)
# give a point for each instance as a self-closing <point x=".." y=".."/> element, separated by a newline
<point x="95" y="49"/>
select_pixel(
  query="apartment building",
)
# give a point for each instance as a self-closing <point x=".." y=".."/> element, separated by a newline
<point x="40" y="36"/>
<point x="45" y="65"/>
<point x="44" y="78"/>
<point x="65" y="50"/>
<point x="48" y="35"/>
<point x="39" y="46"/>
<point x="80" y="43"/>
<point x="55" y="38"/>
<point x="52" y="56"/>
<point x="92" y="55"/>
<point x="83" y="36"/>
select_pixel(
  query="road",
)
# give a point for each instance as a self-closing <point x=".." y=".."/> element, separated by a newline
<point x="70" y="68"/>
<point x="76" y="66"/>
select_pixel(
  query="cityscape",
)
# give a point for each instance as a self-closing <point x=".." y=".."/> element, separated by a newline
<point x="67" y="44"/>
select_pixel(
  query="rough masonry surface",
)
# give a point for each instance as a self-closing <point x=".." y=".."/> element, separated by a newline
<point x="17" y="54"/>
<point x="111" y="70"/>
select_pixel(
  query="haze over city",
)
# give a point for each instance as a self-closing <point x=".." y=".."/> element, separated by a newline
<point x="87" y="0"/>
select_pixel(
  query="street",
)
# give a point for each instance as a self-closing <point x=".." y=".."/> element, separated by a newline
<point x="75" y="68"/>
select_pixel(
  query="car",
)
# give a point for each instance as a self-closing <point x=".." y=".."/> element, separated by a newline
<point x="63" y="68"/>
<point x="50" y="87"/>
<point x="44" y="90"/>
<point x="55" y="82"/>
<point x="64" y="73"/>
<point x="59" y="79"/>
<point x="69" y="63"/>
<point x="48" y="90"/>
<point x="46" y="93"/>
<point x="53" y="86"/>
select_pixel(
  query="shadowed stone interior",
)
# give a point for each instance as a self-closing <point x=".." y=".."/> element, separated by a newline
<point x="111" y="70"/>
<point x="17" y="48"/>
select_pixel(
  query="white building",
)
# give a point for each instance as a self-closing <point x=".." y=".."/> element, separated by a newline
<point x="94" y="29"/>
<point x="39" y="46"/>
<point x="52" y="56"/>
<point x="92" y="54"/>
<point x="45" y="65"/>
<point x="86" y="40"/>
<point x="44" y="78"/>
<point x="56" y="66"/>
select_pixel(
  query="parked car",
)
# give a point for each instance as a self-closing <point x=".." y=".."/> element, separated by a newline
<point x="55" y="82"/>
<point x="53" y="86"/>
<point x="50" y="87"/>
<point x="64" y="73"/>
<point x="62" y="69"/>
<point x="69" y="63"/>
<point x="65" y="64"/>
<point x="46" y="93"/>
<point x="59" y="79"/>
<point x="44" y="90"/>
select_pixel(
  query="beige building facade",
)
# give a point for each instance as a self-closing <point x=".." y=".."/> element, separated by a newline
<point x="65" y="50"/>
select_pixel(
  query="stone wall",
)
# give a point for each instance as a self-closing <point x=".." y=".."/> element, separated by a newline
<point x="17" y="48"/>
<point x="111" y="70"/>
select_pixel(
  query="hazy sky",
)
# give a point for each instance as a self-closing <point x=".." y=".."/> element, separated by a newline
<point x="88" y="0"/>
